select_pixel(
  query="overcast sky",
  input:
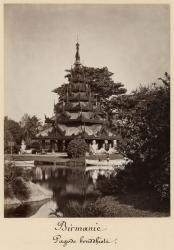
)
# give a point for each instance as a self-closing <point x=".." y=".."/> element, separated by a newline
<point x="131" y="40"/>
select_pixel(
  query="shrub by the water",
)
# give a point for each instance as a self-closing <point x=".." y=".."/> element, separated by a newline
<point x="15" y="183"/>
<point x="20" y="189"/>
<point x="77" y="148"/>
<point x="89" y="209"/>
<point x="8" y="190"/>
<point x="115" y="184"/>
<point x="107" y="185"/>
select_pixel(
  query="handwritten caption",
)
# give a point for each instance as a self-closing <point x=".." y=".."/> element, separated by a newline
<point x="67" y="234"/>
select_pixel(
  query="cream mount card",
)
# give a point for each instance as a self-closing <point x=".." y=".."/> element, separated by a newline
<point x="107" y="57"/>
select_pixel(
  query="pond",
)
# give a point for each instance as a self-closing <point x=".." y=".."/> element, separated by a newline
<point x="72" y="190"/>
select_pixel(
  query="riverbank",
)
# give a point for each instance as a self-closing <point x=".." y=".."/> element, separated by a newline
<point x="131" y="205"/>
<point x="37" y="193"/>
<point x="50" y="159"/>
<point x="63" y="159"/>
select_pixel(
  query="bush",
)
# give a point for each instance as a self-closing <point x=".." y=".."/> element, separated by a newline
<point x="75" y="209"/>
<point x="115" y="184"/>
<point x="15" y="149"/>
<point x="124" y="181"/>
<point x="15" y="179"/>
<point x="91" y="210"/>
<point x="8" y="191"/>
<point x="20" y="189"/>
<point x="107" y="185"/>
<point x="77" y="148"/>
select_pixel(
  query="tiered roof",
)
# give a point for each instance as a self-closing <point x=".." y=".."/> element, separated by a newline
<point x="79" y="104"/>
<point x="78" y="112"/>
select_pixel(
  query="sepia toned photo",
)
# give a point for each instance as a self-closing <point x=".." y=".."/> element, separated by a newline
<point x="87" y="110"/>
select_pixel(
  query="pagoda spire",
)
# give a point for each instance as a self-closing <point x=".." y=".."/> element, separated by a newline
<point x="77" y="55"/>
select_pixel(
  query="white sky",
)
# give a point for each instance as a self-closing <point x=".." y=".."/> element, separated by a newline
<point x="131" y="40"/>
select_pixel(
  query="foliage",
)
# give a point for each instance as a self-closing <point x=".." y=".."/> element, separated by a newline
<point x="12" y="133"/>
<point x="8" y="191"/>
<point x="26" y="129"/>
<point x="61" y="91"/>
<point x="136" y="204"/>
<point x="118" y="183"/>
<point x="108" y="185"/>
<point x="86" y="209"/>
<point x="20" y="189"/>
<point x="77" y="148"/>
<point x="15" y="179"/>
<point x="31" y="125"/>
<point x="99" y="80"/>
<point x="145" y="129"/>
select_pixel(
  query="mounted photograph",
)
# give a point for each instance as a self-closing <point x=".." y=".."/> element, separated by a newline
<point x="87" y="110"/>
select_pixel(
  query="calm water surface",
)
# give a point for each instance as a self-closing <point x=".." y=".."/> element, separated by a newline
<point x="71" y="189"/>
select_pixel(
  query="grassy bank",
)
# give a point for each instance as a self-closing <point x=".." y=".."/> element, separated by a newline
<point x="131" y="205"/>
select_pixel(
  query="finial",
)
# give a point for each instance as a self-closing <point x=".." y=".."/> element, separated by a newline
<point x="77" y="56"/>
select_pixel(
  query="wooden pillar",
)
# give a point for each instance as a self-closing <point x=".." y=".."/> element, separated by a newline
<point x="43" y="174"/>
<point x="58" y="143"/>
<point x="50" y="146"/>
<point x="43" y="144"/>
<point x="88" y="143"/>
<point x="64" y="172"/>
<point x="63" y="146"/>
<point x="53" y="146"/>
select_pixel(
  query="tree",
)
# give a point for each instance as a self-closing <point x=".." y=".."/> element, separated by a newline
<point x="100" y="82"/>
<point x="146" y="134"/>
<point x="30" y="126"/>
<point x="12" y="133"/>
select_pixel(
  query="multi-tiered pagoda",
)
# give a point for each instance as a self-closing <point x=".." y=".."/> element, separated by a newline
<point x="77" y="114"/>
